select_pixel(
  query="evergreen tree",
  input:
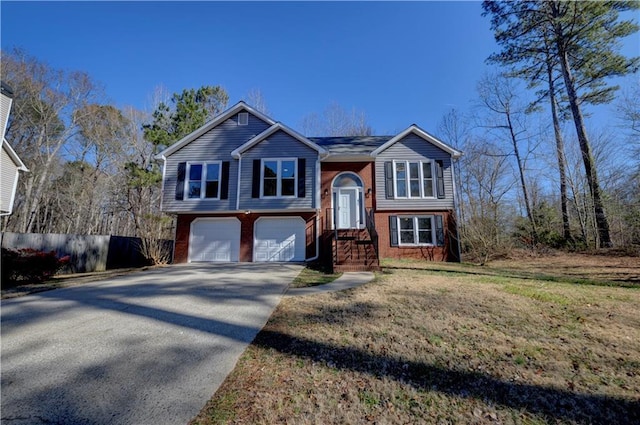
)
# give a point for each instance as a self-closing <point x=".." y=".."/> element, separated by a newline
<point x="581" y="40"/>
<point x="191" y="109"/>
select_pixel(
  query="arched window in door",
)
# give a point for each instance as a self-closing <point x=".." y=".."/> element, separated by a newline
<point x="348" y="201"/>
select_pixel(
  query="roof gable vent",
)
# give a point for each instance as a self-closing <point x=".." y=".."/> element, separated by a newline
<point x="243" y="118"/>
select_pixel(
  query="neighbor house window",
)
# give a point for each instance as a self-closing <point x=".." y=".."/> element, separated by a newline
<point x="279" y="177"/>
<point x="203" y="180"/>
<point x="413" y="179"/>
<point x="415" y="230"/>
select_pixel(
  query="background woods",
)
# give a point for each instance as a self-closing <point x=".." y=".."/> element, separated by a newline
<point x="535" y="172"/>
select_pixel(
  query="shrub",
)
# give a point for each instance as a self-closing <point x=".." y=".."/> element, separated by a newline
<point x="29" y="265"/>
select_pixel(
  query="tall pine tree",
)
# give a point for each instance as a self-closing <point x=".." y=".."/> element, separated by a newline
<point x="579" y="40"/>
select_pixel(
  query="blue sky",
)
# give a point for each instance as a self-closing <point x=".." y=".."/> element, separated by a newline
<point x="400" y="63"/>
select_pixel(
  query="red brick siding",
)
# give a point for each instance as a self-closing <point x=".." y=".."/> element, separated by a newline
<point x="331" y="169"/>
<point x="436" y="253"/>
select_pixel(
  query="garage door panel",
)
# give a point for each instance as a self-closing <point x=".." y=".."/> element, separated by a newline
<point x="280" y="239"/>
<point x="215" y="240"/>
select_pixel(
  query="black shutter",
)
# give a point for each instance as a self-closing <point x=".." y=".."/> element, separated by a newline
<point x="302" y="173"/>
<point x="182" y="171"/>
<point x="393" y="230"/>
<point x="224" y="181"/>
<point x="388" y="179"/>
<point x="440" y="178"/>
<point x="439" y="231"/>
<point x="255" y="188"/>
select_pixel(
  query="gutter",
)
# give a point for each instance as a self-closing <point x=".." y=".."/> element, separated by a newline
<point x="238" y="186"/>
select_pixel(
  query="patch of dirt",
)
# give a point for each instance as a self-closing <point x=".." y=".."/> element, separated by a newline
<point x="617" y="268"/>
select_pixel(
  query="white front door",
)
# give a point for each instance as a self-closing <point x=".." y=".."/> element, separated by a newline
<point x="347" y="209"/>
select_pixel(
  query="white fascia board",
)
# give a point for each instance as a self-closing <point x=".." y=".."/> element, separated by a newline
<point x="271" y="130"/>
<point x="14" y="156"/>
<point x="420" y="133"/>
<point x="240" y="106"/>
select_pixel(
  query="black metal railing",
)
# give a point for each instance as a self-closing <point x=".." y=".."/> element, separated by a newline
<point x="371" y="228"/>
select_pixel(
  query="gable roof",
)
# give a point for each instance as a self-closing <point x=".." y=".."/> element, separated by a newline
<point x="14" y="156"/>
<point x="271" y="130"/>
<point x="5" y="89"/>
<point x="420" y="133"/>
<point x="351" y="145"/>
<point x="238" y="107"/>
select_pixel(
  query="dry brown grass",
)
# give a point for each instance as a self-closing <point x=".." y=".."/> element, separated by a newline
<point x="454" y="344"/>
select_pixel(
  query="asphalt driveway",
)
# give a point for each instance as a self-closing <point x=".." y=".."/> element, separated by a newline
<point x="147" y="348"/>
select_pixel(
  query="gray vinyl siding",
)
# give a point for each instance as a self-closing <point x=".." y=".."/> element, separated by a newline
<point x="278" y="145"/>
<point x="8" y="175"/>
<point x="215" y="145"/>
<point x="413" y="148"/>
<point x="5" y="108"/>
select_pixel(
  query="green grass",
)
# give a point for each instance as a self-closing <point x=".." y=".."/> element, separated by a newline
<point x="495" y="274"/>
<point x="311" y="277"/>
<point x="535" y="294"/>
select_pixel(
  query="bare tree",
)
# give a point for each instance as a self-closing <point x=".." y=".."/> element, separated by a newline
<point x="507" y="120"/>
<point x="336" y="121"/>
<point x="256" y="100"/>
<point x="484" y="185"/>
<point x="47" y="106"/>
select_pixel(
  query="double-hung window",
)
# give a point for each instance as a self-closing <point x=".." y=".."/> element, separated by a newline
<point x="416" y="230"/>
<point x="413" y="179"/>
<point x="203" y="180"/>
<point x="279" y="178"/>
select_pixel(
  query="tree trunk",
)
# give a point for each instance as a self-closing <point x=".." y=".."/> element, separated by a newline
<point x="602" y="224"/>
<point x="566" y="230"/>
<point x="523" y="182"/>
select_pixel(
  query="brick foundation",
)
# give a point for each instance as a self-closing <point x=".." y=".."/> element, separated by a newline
<point x="448" y="252"/>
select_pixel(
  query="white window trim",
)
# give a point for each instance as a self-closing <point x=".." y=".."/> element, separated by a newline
<point x="415" y="230"/>
<point x="408" y="179"/>
<point x="279" y="178"/>
<point x="243" y="118"/>
<point x="203" y="180"/>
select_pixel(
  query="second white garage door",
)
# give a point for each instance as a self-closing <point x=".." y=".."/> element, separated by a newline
<point x="214" y="239"/>
<point x="279" y="239"/>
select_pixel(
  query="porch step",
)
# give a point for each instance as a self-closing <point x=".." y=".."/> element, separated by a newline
<point x="364" y="242"/>
<point x="347" y="238"/>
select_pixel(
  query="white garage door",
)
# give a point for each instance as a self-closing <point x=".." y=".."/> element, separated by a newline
<point x="279" y="239"/>
<point x="214" y="239"/>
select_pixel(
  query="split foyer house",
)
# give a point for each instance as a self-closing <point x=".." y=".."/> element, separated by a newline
<point x="247" y="188"/>
<point x="10" y="164"/>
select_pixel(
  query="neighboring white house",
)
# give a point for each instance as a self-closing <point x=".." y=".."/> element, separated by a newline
<point x="10" y="163"/>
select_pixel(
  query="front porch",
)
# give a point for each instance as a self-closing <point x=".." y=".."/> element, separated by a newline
<point x="350" y="249"/>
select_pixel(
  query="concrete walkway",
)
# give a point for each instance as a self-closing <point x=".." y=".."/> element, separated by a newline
<point x="348" y="280"/>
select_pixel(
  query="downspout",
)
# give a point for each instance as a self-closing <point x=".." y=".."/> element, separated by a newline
<point x="318" y="209"/>
<point x="455" y="205"/>
<point x="238" y="188"/>
<point x="164" y="173"/>
<point x="175" y="232"/>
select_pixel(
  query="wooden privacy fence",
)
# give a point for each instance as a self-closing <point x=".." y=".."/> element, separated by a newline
<point x="88" y="253"/>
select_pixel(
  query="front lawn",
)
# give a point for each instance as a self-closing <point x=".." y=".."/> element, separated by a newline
<point x="444" y="343"/>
